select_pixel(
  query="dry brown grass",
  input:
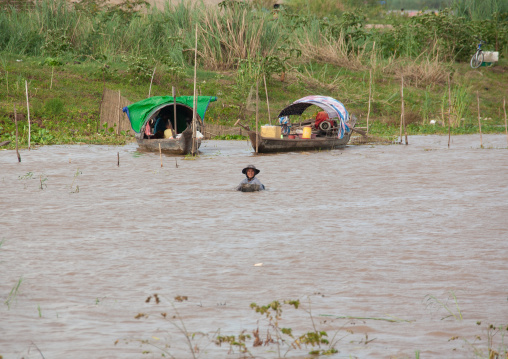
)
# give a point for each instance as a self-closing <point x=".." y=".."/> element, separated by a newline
<point x="419" y="72"/>
<point x="236" y="41"/>
<point x="333" y="52"/>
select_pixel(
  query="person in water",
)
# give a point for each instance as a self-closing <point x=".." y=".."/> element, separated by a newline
<point x="250" y="181"/>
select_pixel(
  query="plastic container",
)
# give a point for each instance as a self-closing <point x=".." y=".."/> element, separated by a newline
<point x="291" y="137"/>
<point x="270" y="131"/>
<point x="307" y="132"/>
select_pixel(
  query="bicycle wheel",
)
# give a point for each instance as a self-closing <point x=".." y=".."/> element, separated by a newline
<point x="477" y="59"/>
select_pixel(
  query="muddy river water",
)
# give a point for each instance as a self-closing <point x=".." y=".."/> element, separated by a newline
<point x="391" y="250"/>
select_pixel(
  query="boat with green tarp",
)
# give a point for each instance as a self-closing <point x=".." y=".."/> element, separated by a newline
<point x="153" y="120"/>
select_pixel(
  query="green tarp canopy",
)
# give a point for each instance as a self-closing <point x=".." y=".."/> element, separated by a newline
<point x="141" y="111"/>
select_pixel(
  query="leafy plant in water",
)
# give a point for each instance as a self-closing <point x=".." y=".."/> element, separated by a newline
<point x="13" y="293"/>
<point x="233" y="341"/>
<point x="76" y="189"/>
<point x="273" y="313"/>
<point x="43" y="182"/>
<point x="434" y="301"/>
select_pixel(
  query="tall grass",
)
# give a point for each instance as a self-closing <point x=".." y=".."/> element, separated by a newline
<point x="229" y="34"/>
<point x="480" y="9"/>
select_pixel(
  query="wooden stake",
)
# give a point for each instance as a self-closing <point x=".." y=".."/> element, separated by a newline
<point x="257" y="114"/>
<point x="52" y="69"/>
<point x="7" y="79"/>
<point x="173" y="90"/>
<point x="160" y="153"/>
<point x="16" y="122"/>
<point x="402" y="106"/>
<point x="267" y="102"/>
<point x="28" y="112"/>
<point x="150" y="89"/>
<point x="118" y="159"/>
<point x="370" y="94"/>
<point x="449" y="110"/>
<point x="119" y="112"/>
<point x="176" y="163"/>
<point x="505" y="125"/>
<point x="479" y="121"/>
<point x="193" y="151"/>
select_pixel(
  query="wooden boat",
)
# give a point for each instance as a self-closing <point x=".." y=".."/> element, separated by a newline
<point x="331" y="132"/>
<point x="151" y="117"/>
<point x="272" y="145"/>
<point x="177" y="146"/>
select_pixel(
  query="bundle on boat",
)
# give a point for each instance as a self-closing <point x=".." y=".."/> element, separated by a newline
<point x="166" y="123"/>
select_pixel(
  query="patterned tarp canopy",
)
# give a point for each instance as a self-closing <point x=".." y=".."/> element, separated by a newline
<point x="141" y="111"/>
<point x="333" y="108"/>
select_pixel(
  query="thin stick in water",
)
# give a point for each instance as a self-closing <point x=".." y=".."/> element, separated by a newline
<point x="176" y="163"/>
<point x="267" y="102"/>
<point x="28" y="112"/>
<point x="150" y="89"/>
<point x="479" y="121"/>
<point x="160" y="153"/>
<point x="118" y="159"/>
<point x="16" y="122"/>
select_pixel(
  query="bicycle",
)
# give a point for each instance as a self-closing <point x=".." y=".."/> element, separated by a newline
<point x="477" y="59"/>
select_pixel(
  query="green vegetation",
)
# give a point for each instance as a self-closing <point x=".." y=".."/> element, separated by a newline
<point x="68" y="53"/>
<point x="284" y="341"/>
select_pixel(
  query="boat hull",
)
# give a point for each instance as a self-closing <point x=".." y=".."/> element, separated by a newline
<point x="179" y="146"/>
<point x="273" y="145"/>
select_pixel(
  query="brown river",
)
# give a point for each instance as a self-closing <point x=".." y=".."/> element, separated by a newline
<point x="394" y="251"/>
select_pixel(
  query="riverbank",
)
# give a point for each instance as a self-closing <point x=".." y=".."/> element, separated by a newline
<point x="145" y="53"/>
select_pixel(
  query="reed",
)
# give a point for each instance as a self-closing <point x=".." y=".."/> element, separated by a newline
<point x="479" y="9"/>
<point x="13" y="293"/>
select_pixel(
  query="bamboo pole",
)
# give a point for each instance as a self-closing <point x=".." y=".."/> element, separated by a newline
<point x="267" y="102"/>
<point x="28" y="112"/>
<point x="194" y="99"/>
<point x="16" y="122"/>
<point x="52" y="70"/>
<point x="160" y="153"/>
<point x="7" y="79"/>
<point x="479" y="121"/>
<point x="150" y="89"/>
<point x="505" y="124"/>
<point x="119" y="112"/>
<point x="449" y="110"/>
<point x="402" y="106"/>
<point x="370" y="94"/>
<point x="173" y="90"/>
<point x="118" y="159"/>
<point x="257" y="115"/>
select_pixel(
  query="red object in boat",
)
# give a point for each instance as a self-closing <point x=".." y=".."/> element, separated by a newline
<point x="321" y="117"/>
<point x="291" y="137"/>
